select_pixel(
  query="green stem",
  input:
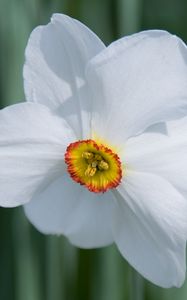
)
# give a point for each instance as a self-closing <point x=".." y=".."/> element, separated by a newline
<point x="129" y="16"/>
<point x="137" y="286"/>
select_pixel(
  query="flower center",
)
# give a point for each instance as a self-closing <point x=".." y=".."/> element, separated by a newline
<point x="93" y="165"/>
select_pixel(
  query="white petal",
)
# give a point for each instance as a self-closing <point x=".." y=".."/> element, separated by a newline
<point x="150" y="228"/>
<point x="165" y="155"/>
<point x="67" y="208"/>
<point x="136" y="82"/>
<point x="32" y="145"/>
<point x="56" y="56"/>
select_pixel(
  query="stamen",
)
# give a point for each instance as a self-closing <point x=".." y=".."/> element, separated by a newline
<point x="90" y="171"/>
<point x="87" y="155"/>
<point x="103" y="165"/>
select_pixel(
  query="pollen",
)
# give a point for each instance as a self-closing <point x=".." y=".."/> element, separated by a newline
<point x="93" y="165"/>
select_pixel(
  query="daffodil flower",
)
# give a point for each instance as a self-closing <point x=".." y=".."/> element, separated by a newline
<point x="98" y="152"/>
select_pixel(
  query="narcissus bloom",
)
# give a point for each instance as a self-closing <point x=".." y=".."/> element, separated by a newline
<point x="99" y="151"/>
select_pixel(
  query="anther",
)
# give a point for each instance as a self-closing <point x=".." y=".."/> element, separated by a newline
<point x="87" y="155"/>
<point x="90" y="171"/>
<point x="103" y="165"/>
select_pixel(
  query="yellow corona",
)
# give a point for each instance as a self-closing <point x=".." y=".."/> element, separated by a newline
<point x="93" y="165"/>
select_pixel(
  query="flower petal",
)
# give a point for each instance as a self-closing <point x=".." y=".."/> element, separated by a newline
<point x="164" y="155"/>
<point x="32" y="145"/>
<point x="136" y="82"/>
<point x="150" y="228"/>
<point x="84" y="217"/>
<point x="56" y="56"/>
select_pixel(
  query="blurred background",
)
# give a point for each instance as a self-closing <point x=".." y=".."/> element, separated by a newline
<point x="37" y="267"/>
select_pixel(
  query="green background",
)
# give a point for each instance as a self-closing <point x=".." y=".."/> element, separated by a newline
<point x="37" y="267"/>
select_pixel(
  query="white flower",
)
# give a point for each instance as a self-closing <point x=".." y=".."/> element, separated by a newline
<point x="96" y="107"/>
